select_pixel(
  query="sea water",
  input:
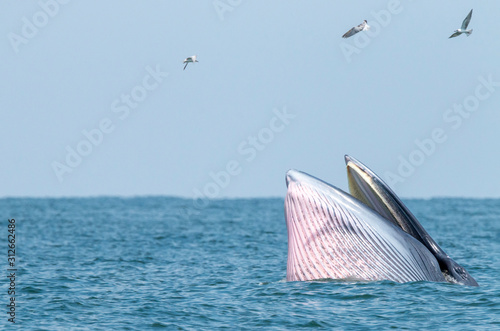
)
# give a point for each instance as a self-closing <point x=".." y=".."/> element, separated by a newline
<point x="168" y="263"/>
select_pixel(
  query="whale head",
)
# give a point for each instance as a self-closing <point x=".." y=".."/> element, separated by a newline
<point x="333" y="235"/>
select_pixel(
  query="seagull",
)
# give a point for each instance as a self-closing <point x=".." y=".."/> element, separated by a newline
<point x="188" y="60"/>
<point x="463" y="29"/>
<point x="362" y="27"/>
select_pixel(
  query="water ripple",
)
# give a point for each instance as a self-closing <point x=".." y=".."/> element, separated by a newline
<point x="140" y="263"/>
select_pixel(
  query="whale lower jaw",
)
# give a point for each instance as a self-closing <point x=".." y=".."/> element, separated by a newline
<point x="333" y="235"/>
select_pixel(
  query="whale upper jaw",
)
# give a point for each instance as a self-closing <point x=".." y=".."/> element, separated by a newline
<point x="331" y="234"/>
<point x="370" y="189"/>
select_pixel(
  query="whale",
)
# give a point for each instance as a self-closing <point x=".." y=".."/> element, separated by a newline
<point x="365" y="235"/>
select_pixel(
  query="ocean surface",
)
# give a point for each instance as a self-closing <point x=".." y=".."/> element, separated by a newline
<point x="164" y="263"/>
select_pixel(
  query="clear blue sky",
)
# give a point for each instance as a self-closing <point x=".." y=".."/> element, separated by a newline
<point x="276" y="87"/>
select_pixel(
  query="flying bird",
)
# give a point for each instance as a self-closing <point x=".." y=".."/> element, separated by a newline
<point x="463" y="29"/>
<point x="189" y="60"/>
<point x="362" y="27"/>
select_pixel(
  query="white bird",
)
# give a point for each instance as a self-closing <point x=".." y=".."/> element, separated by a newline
<point x="362" y="27"/>
<point x="189" y="60"/>
<point x="463" y="29"/>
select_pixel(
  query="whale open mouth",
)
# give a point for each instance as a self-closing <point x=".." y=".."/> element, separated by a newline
<point x="366" y="235"/>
